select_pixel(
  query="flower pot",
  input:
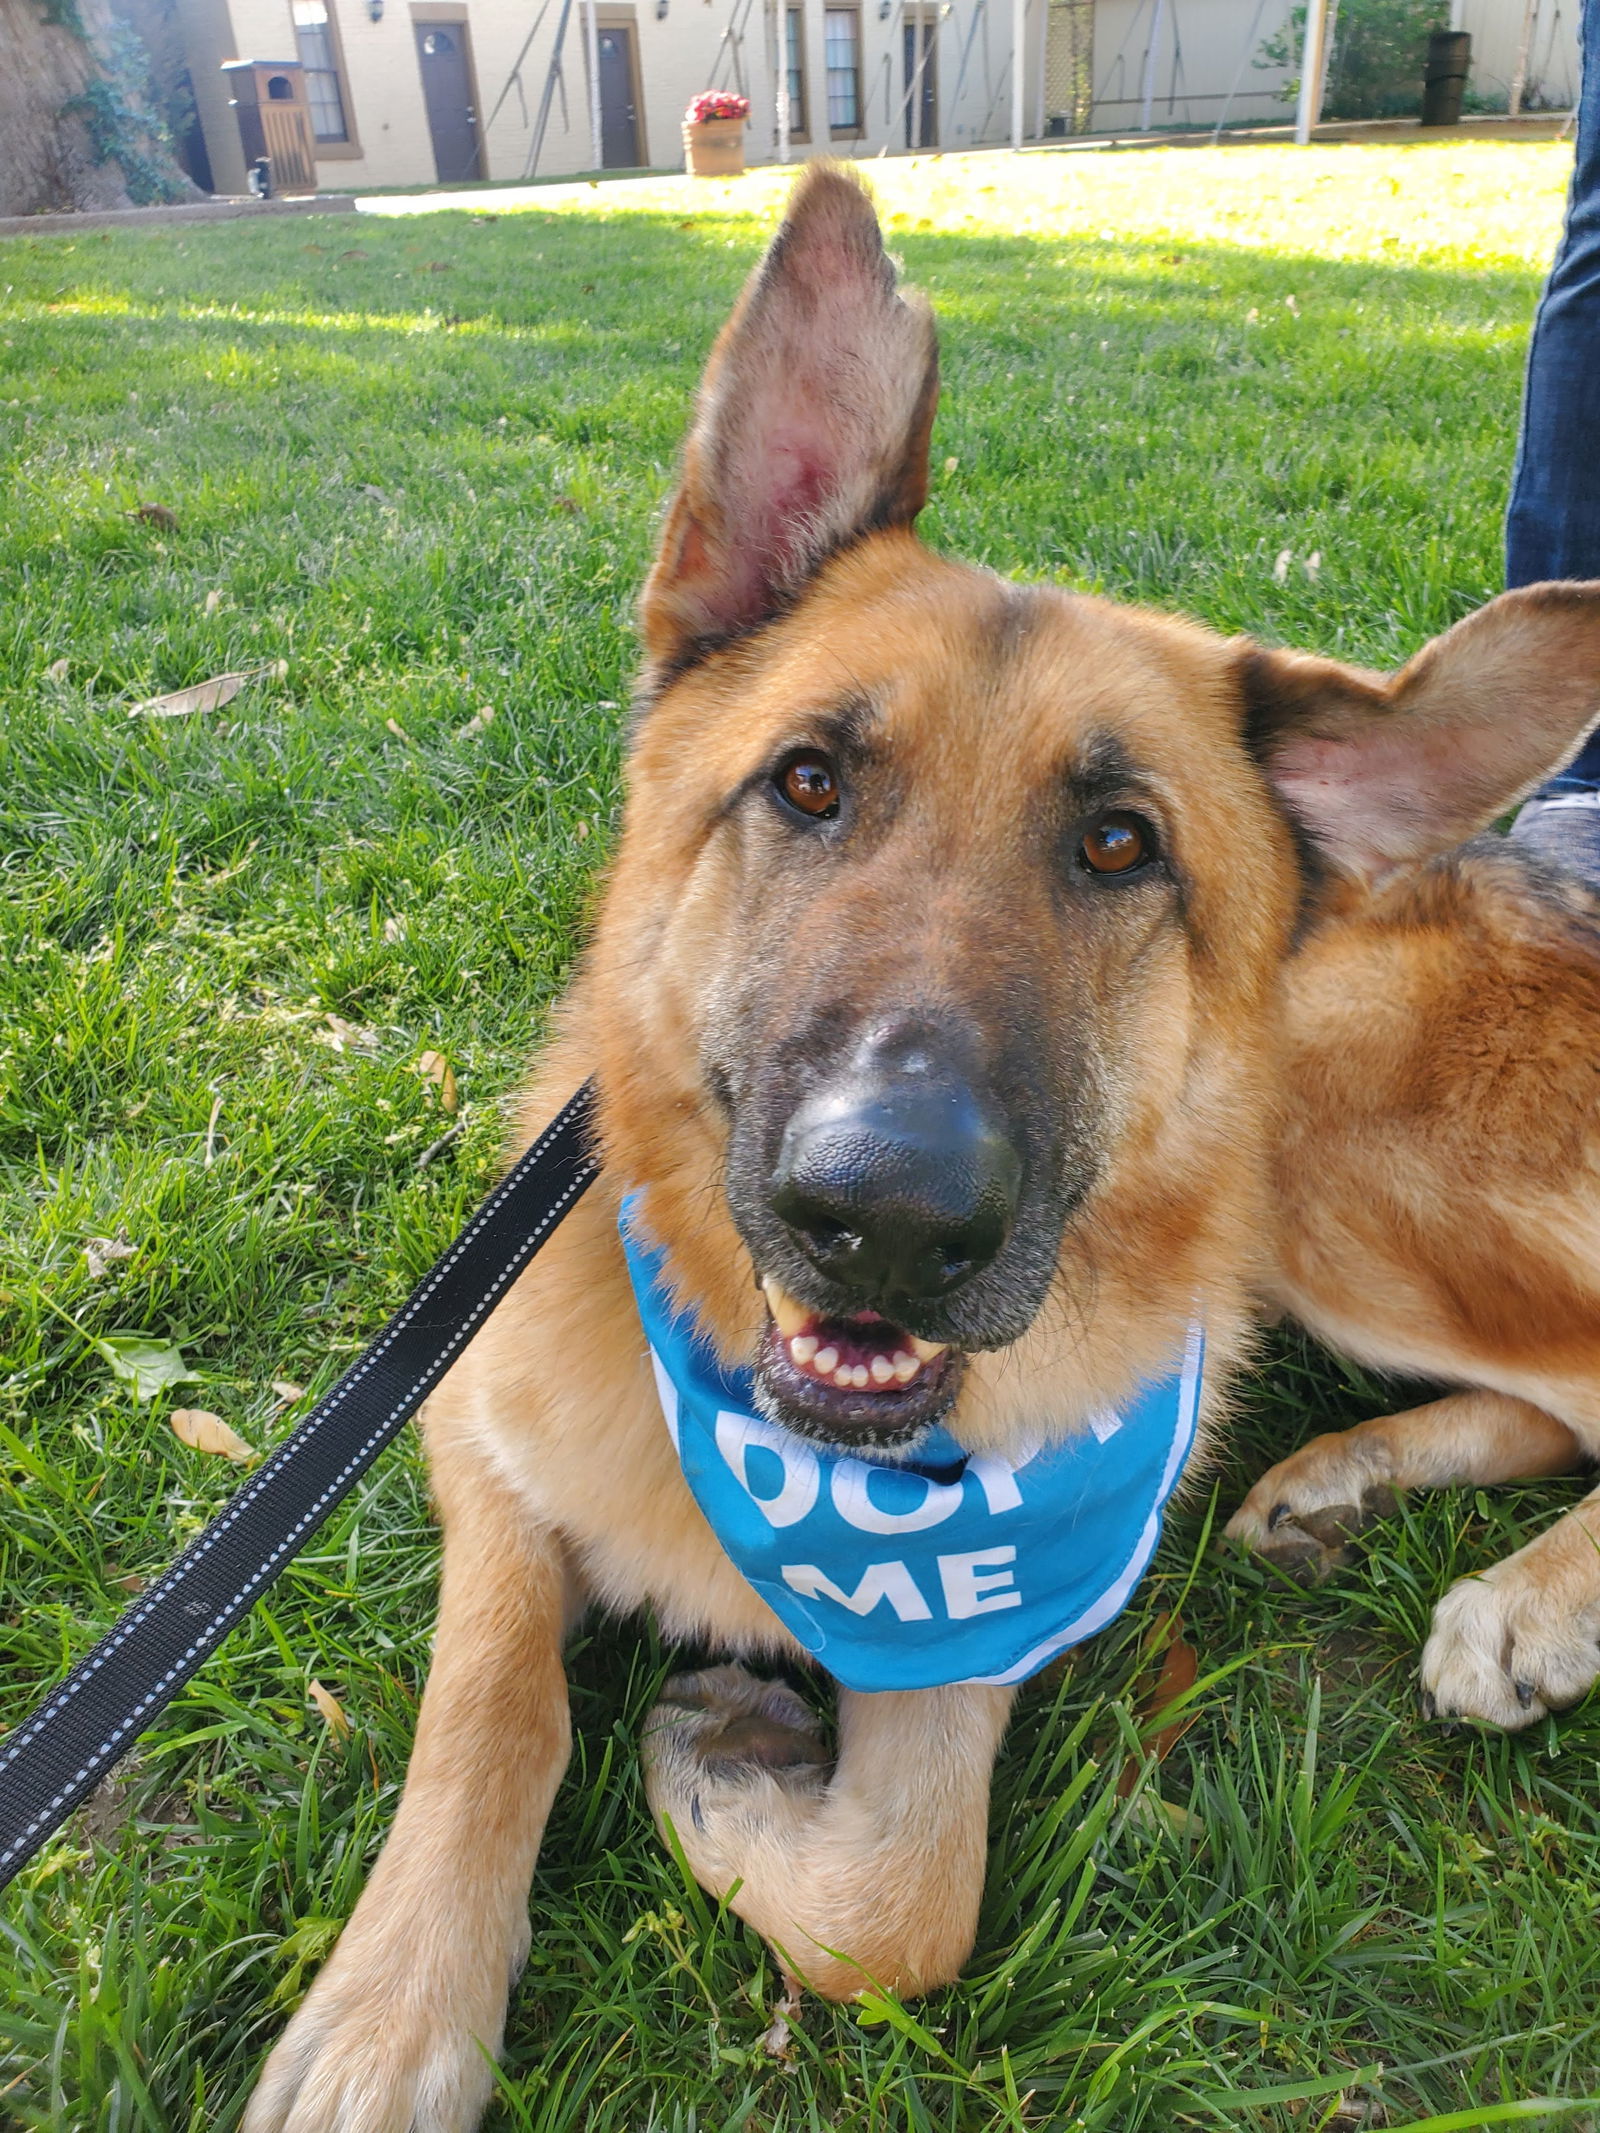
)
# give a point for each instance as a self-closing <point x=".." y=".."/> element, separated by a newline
<point x="714" y="148"/>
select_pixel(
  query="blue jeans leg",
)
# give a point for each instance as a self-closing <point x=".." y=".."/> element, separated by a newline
<point x="1553" y="524"/>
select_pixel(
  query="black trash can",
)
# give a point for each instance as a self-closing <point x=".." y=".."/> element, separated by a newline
<point x="1444" y="80"/>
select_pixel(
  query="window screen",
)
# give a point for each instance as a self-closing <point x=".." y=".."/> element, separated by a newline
<point x="313" y="34"/>
<point x="843" y="35"/>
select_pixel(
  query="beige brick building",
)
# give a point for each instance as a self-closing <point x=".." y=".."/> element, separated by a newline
<point x="422" y="92"/>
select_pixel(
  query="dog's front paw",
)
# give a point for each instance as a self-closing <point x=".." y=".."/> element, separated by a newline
<point x="721" y="1750"/>
<point x="1304" y="1512"/>
<point x="1506" y="1649"/>
<point x="375" y="2049"/>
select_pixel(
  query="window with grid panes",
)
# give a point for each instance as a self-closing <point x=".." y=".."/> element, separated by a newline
<point x="313" y="35"/>
<point x="842" y="32"/>
<point x="795" y="61"/>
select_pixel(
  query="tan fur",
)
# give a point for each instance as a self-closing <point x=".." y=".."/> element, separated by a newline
<point x="1437" y="1189"/>
<point x="788" y="580"/>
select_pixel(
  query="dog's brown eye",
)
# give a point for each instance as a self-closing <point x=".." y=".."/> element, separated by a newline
<point x="1116" y="844"/>
<point x="808" y="783"/>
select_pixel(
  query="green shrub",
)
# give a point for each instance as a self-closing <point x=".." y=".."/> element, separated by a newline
<point x="121" y="125"/>
<point x="1379" y="50"/>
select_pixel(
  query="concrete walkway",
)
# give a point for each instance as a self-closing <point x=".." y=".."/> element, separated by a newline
<point x="499" y="199"/>
<point x="225" y="208"/>
<point x="496" y="199"/>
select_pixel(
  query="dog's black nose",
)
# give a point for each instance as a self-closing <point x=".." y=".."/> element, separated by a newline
<point x="897" y="1179"/>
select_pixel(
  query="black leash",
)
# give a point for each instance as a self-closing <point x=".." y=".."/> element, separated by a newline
<point x="54" y="1759"/>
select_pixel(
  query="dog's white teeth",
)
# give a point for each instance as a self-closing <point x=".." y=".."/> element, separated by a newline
<point x="830" y="1366"/>
<point x="788" y="1316"/>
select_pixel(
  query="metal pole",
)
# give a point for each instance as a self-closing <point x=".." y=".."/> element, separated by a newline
<point x="781" y="47"/>
<point x="1311" y="56"/>
<point x="1148" y="92"/>
<point x="515" y="72"/>
<point x="552" y="75"/>
<point x="966" y="54"/>
<point x="1019" y="34"/>
<point x="1041" y="84"/>
<point x="592" y="55"/>
<point x="1244" y="61"/>
<point x="1519" y="80"/>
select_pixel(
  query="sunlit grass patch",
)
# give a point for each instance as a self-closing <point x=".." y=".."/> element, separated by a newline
<point x="419" y="462"/>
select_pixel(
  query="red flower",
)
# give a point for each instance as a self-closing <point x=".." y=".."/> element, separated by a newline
<point x="717" y="104"/>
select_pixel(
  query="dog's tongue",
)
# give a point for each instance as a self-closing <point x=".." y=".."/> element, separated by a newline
<point x="857" y="1353"/>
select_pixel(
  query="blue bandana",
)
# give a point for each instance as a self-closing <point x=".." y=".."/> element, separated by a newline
<point x="951" y="1568"/>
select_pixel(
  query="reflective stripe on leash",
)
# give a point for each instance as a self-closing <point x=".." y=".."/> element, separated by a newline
<point x="56" y="1757"/>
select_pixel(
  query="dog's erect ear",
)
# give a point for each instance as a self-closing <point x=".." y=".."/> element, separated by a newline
<point x="811" y="428"/>
<point x="1383" y="774"/>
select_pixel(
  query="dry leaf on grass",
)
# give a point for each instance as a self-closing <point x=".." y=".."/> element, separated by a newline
<point x="434" y="1067"/>
<point x="206" y="695"/>
<point x="99" y="1252"/>
<point x="1179" y="1667"/>
<point x="342" y="1036"/>
<point x="394" y="931"/>
<point x="213" y="600"/>
<point x="155" y="515"/>
<point x="209" y="1433"/>
<point x="288" y="1392"/>
<point x="332" y="1710"/>
<point x="58" y="670"/>
<point x="777" y="2042"/>
<point x="483" y="716"/>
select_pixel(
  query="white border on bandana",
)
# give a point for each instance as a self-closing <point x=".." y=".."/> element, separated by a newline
<point x="1111" y="1603"/>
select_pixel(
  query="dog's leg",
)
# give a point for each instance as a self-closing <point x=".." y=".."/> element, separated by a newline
<point x="1522" y="1638"/>
<point x="1303" y="1513"/>
<point x="870" y="1875"/>
<point x="1507" y="1646"/>
<point x="397" y="2033"/>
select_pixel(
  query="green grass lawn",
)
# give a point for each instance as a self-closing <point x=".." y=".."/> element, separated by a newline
<point x="414" y="467"/>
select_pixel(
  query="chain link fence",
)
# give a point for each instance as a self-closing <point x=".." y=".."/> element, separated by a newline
<point x="1069" y="66"/>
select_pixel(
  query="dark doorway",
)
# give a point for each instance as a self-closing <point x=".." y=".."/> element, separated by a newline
<point x="187" y="138"/>
<point x="619" y="112"/>
<point x="447" y="91"/>
<point x="922" y="112"/>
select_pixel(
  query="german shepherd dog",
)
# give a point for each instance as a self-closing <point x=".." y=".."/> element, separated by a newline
<point x="991" y="984"/>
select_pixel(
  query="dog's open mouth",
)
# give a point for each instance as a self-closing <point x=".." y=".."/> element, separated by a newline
<point x="856" y="1379"/>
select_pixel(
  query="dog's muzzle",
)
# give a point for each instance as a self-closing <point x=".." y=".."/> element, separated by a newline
<point x="897" y="1180"/>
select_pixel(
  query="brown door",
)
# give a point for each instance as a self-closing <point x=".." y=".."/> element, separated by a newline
<point x="619" y="116"/>
<point x="922" y="109"/>
<point x="447" y="89"/>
